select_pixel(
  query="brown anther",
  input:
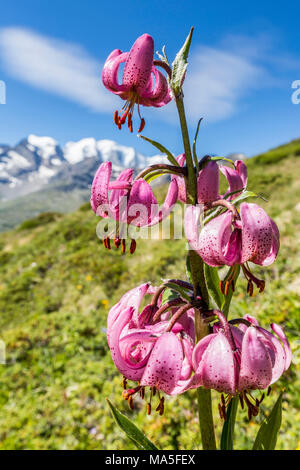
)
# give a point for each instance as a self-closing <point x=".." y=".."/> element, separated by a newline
<point x="116" y="118"/>
<point x="269" y="391"/>
<point x="226" y="289"/>
<point x="255" y="410"/>
<point x="129" y="122"/>
<point x="123" y="245"/>
<point x="148" y="407"/>
<point x="232" y="285"/>
<point x="130" y="402"/>
<point x="108" y="243"/>
<point x="249" y="412"/>
<point x="250" y="288"/>
<point x="153" y="391"/>
<point x="142" y="125"/>
<point x="117" y="242"/>
<point x="142" y="393"/>
<point x="104" y="241"/>
<point x="161" y="406"/>
<point x="132" y="246"/>
<point x="224" y="412"/>
<point x="222" y="286"/>
<point x="223" y="399"/>
<point x="124" y="383"/>
<point x="261" y="286"/>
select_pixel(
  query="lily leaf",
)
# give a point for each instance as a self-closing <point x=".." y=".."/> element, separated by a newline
<point x="180" y="65"/>
<point x="245" y="195"/>
<point x="130" y="429"/>
<point x="194" y="145"/>
<point x="228" y="427"/>
<point x="183" y="292"/>
<point x="162" y="149"/>
<point x="169" y="294"/>
<point x="213" y="284"/>
<point x="268" y="432"/>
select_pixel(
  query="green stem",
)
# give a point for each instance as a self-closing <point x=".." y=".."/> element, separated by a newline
<point x="206" y="419"/>
<point x="197" y="269"/>
<point x="191" y="177"/>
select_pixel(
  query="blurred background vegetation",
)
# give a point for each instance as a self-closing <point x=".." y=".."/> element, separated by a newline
<point x="57" y="284"/>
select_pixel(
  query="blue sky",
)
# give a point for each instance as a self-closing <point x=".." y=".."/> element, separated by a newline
<point x="244" y="58"/>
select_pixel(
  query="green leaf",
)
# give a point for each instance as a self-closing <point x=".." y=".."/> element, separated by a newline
<point x="162" y="149"/>
<point x="180" y="65"/>
<point x="130" y="429"/>
<point x="213" y="284"/>
<point x="194" y="145"/>
<point x="169" y="294"/>
<point x="183" y="292"/>
<point x="245" y="195"/>
<point x="228" y="426"/>
<point x="268" y="432"/>
<point x="156" y="174"/>
<point x="228" y="297"/>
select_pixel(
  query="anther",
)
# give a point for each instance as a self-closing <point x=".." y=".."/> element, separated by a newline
<point x="269" y="391"/>
<point x="116" y="118"/>
<point x="104" y="241"/>
<point x="130" y="402"/>
<point x="142" y="393"/>
<point x="227" y="284"/>
<point x="222" y="286"/>
<point x="142" y="125"/>
<point x="123" y="245"/>
<point x="148" y="407"/>
<point x="117" y="242"/>
<point x="132" y="246"/>
<point x="124" y="383"/>
<point x="108" y="243"/>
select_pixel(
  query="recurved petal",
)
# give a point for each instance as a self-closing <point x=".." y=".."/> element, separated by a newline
<point x="256" y="365"/>
<point x="161" y="89"/>
<point x="208" y="183"/>
<point x="237" y="177"/>
<point x="99" y="192"/>
<point x="275" y="245"/>
<point x="287" y="348"/>
<point x="114" y="345"/>
<point x="164" y="366"/>
<point x="141" y="203"/>
<point x="257" y="234"/>
<point x="218" y="366"/>
<point x="138" y="66"/>
<point x="159" y="214"/>
<point x="276" y="352"/>
<point x="218" y="244"/>
<point x="110" y="71"/>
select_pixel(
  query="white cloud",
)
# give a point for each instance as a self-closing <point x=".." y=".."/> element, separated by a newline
<point x="217" y="79"/>
<point x="216" y="82"/>
<point x="56" y="66"/>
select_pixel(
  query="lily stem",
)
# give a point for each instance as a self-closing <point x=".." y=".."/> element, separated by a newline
<point x="197" y="270"/>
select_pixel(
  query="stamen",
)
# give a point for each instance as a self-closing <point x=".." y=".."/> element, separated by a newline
<point x="117" y="242"/>
<point x="142" y="125"/>
<point x="269" y="391"/>
<point x="123" y="246"/>
<point x="124" y="383"/>
<point x="148" y="408"/>
<point x="116" y="118"/>
<point x="142" y="393"/>
<point x="132" y="246"/>
<point x="130" y="402"/>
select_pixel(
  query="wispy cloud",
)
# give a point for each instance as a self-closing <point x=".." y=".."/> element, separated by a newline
<point x="216" y="82"/>
<point x="55" y="66"/>
<point x="218" y="78"/>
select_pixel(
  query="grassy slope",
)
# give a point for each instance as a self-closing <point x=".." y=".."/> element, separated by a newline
<point x="56" y="285"/>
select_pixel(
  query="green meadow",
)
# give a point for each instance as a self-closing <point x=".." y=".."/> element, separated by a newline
<point x="57" y="284"/>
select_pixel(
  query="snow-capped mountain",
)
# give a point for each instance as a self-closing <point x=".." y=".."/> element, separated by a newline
<point x="39" y="161"/>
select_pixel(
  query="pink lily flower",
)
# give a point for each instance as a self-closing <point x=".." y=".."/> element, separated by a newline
<point x="130" y="202"/>
<point x="207" y="182"/>
<point x="142" y="83"/>
<point x="237" y="177"/>
<point x="234" y="360"/>
<point x="146" y="351"/>
<point x="224" y="241"/>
